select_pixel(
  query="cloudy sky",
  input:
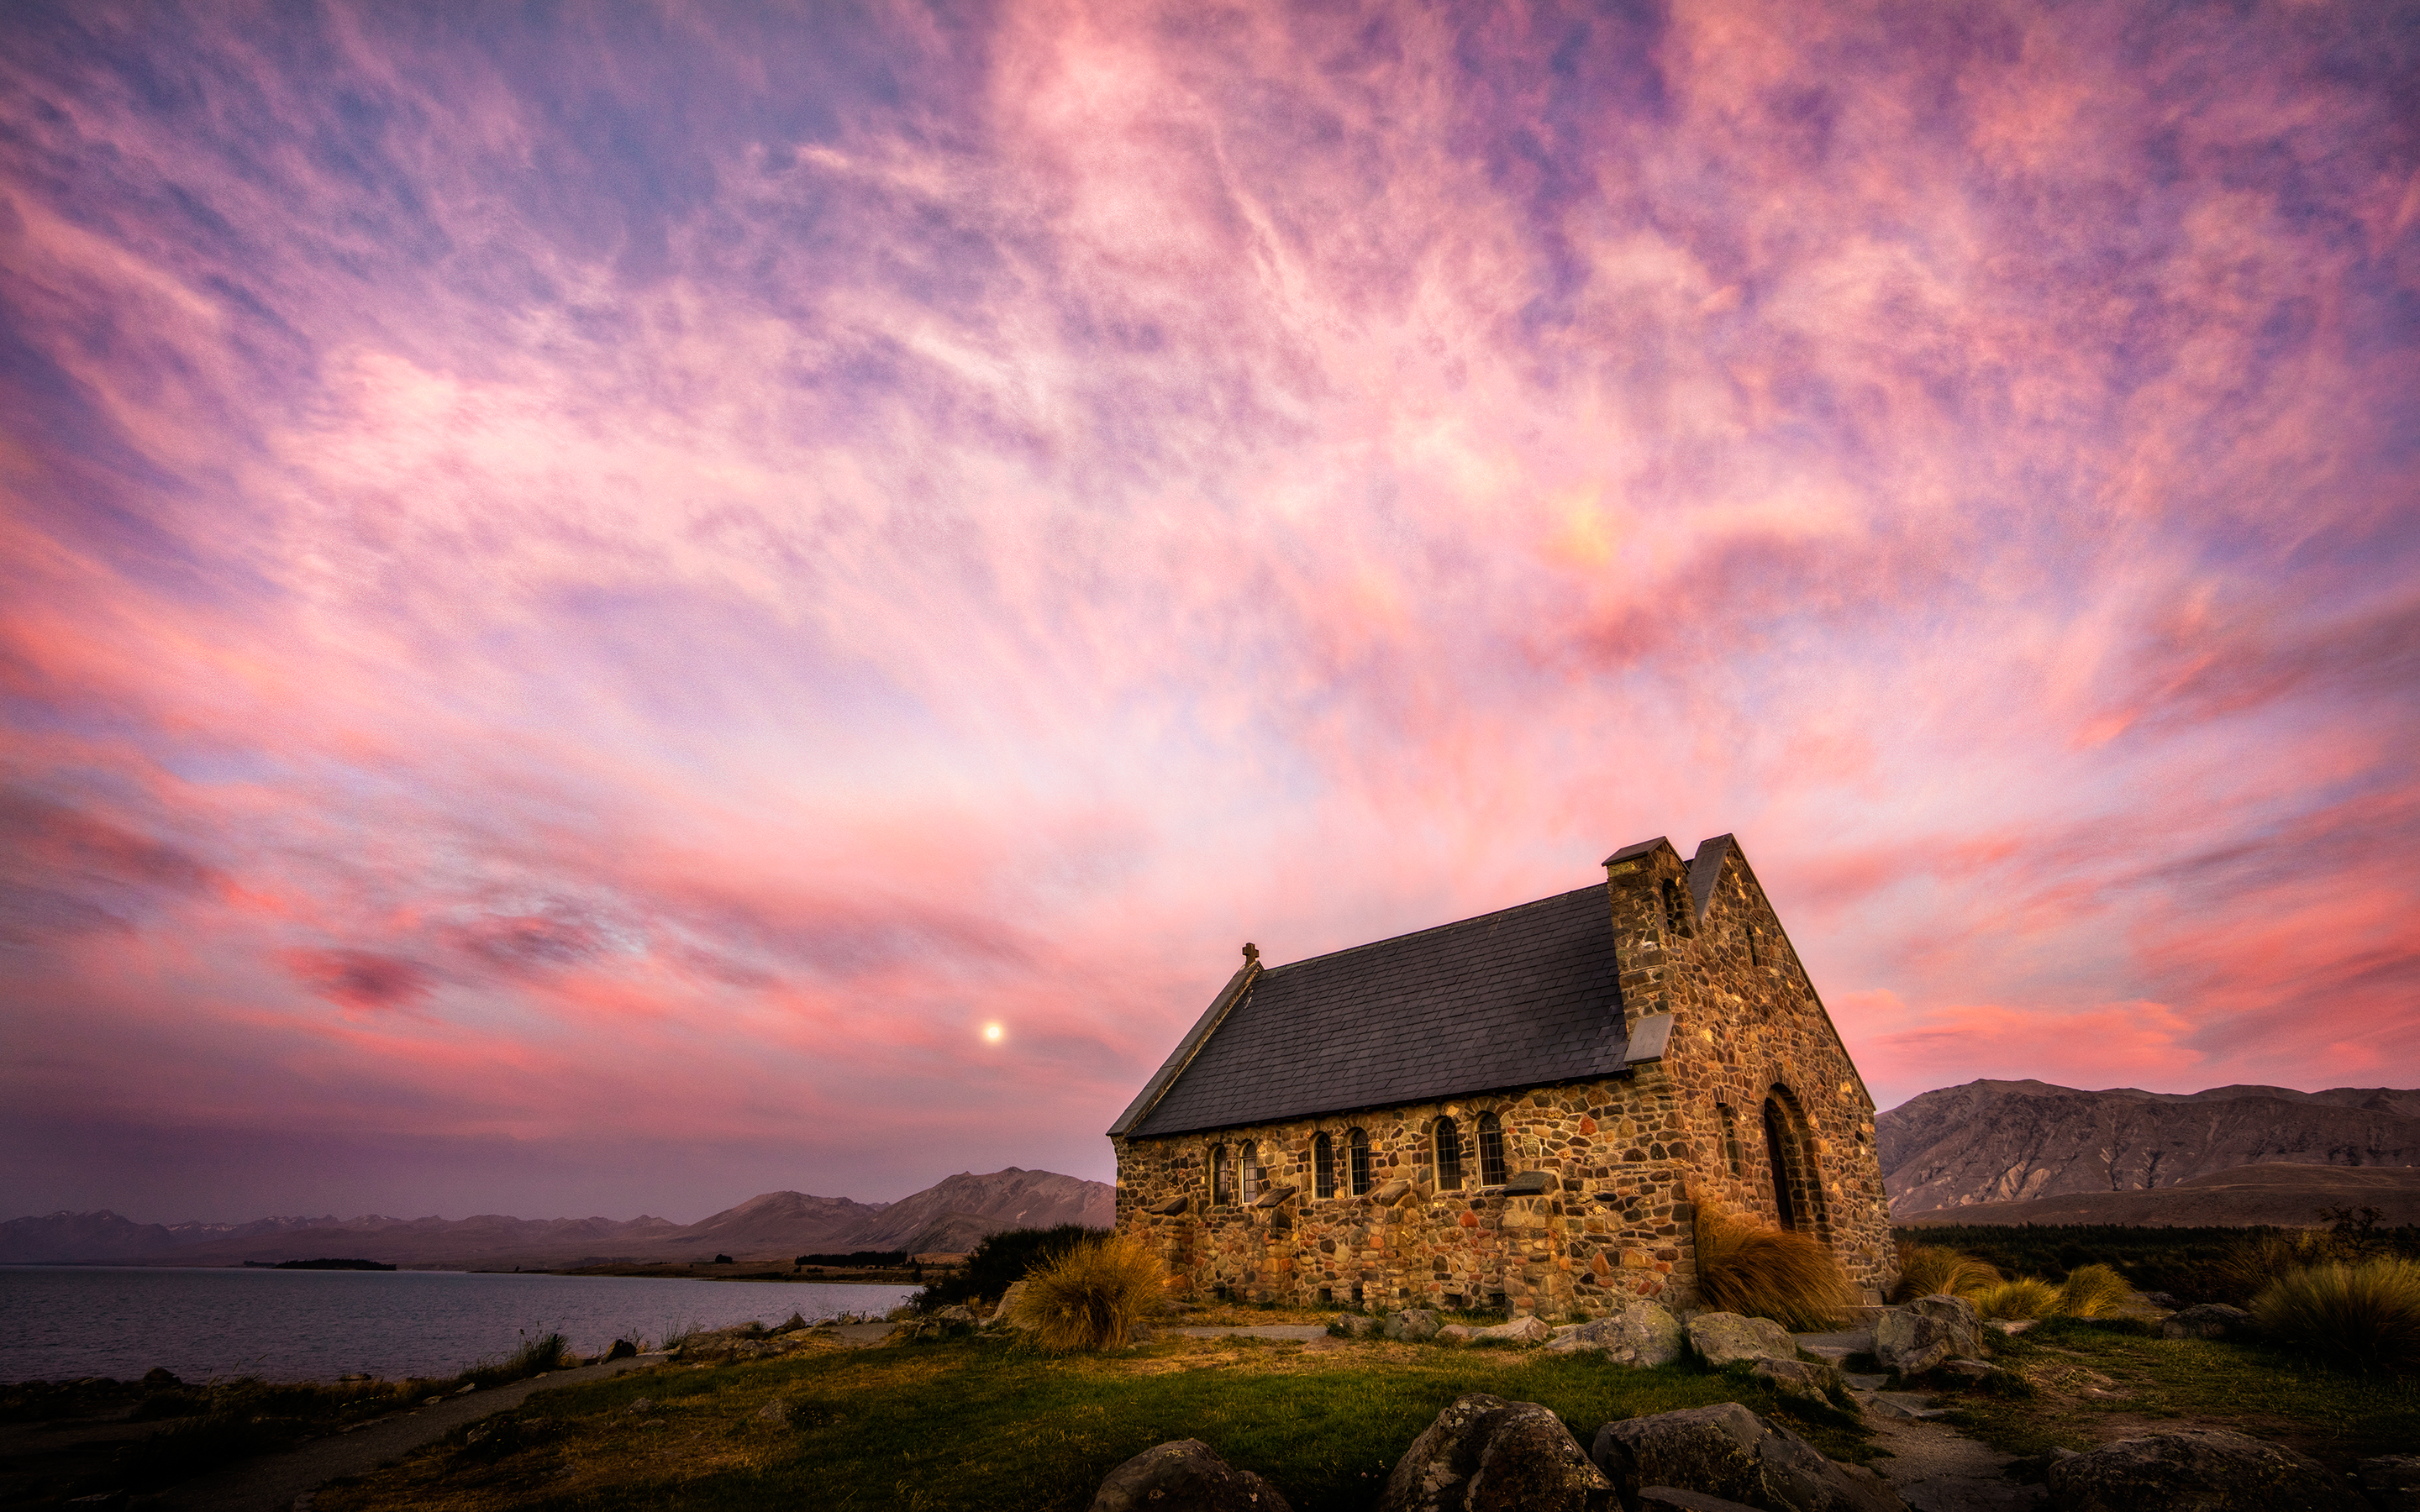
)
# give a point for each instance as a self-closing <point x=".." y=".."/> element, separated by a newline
<point x="588" y="592"/>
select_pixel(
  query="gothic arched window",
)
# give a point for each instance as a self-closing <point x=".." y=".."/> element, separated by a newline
<point x="1491" y="1151"/>
<point x="1357" y="1154"/>
<point x="1449" y="1156"/>
<point x="1323" y="1166"/>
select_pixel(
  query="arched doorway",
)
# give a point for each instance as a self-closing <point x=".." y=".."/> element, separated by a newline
<point x="1797" y="1178"/>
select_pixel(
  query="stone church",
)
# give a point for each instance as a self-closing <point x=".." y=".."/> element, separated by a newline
<point x="1520" y="1110"/>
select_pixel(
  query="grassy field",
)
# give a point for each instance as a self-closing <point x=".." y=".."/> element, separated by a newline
<point x="2086" y="1384"/>
<point x="983" y="1423"/>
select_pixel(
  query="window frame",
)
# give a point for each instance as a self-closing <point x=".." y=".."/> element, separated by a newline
<point x="1220" y="1187"/>
<point x="1492" y="1171"/>
<point x="1323" y="1166"/>
<point x="1356" y="1162"/>
<point x="1445" y="1146"/>
<point x="1249" y="1170"/>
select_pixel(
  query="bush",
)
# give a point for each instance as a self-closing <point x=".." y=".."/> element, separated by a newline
<point x="1792" y="1278"/>
<point x="2025" y="1297"/>
<point x="1934" y="1271"/>
<point x="2093" y="1292"/>
<point x="1001" y="1260"/>
<point x="1090" y="1297"/>
<point x="2366" y="1315"/>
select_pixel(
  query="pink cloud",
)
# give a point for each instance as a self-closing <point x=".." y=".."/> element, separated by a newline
<point x="672" y="601"/>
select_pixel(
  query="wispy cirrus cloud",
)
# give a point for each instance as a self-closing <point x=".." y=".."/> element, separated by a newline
<point x="579" y="581"/>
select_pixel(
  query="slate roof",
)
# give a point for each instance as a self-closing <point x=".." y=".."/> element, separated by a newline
<point x="1520" y="997"/>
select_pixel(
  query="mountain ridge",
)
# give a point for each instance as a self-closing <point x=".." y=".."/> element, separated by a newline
<point x="1999" y="1142"/>
<point x="950" y="1215"/>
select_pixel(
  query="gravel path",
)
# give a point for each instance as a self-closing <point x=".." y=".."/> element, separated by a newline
<point x="277" y="1483"/>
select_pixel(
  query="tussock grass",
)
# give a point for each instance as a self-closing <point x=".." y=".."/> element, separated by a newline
<point x="1092" y="1296"/>
<point x="2366" y="1316"/>
<point x="1934" y="1271"/>
<point x="2094" y="1291"/>
<point x="1746" y="1267"/>
<point x="2025" y="1297"/>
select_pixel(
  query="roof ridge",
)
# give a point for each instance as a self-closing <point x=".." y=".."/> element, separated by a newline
<point x="1432" y="928"/>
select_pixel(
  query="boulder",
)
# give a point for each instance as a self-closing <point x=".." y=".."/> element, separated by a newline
<point x="1727" y="1451"/>
<point x="1485" y="1454"/>
<point x="776" y="1410"/>
<point x="1456" y="1334"/>
<point x="1353" y="1326"/>
<point x="1004" y="1316"/>
<point x="1803" y="1379"/>
<point x="622" y="1349"/>
<point x="1519" y="1331"/>
<point x="2210" y="1321"/>
<point x="1185" y="1476"/>
<point x="1413" y="1325"/>
<point x="1728" y="1338"/>
<point x="1914" y="1339"/>
<point x="1642" y="1333"/>
<point x="960" y="1313"/>
<point x="159" y="1377"/>
<point x="2393" y="1481"/>
<point x="641" y="1406"/>
<point x="2197" y="1470"/>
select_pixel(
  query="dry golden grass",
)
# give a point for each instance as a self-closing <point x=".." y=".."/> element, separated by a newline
<point x="2094" y="1291"/>
<point x="2366" y="1315"/>
<point x="1746" y="1267"/>
<point x="1932" y="1271"/>
<point x="1093" y="1296"/>
<point x="2025" y="1297"/>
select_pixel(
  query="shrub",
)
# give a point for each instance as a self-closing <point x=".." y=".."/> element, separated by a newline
<point x="1934" y="1271"/>
<point x="2025" y="1297"/>
<point x="1792" y="1278"/>
<point x="2366" y="1315"/>
<point x="999" y="1259"/>
<point x="2093" y="1292"/>
<point x="1090" y="1297"/>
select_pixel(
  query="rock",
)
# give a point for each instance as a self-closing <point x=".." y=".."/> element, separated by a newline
<point x="960" y="1313"/>
<point x="1353" y="1325"/>
<point x="776" y="1410"/>
<point x="1728" y="1338"/>
<point x="622" y="1349"/>
<point x="1673" y="1498"/>
<point x="1485" y="1454"/>
<point x="1971" y="1369"/>
<point x="160" y="1376"/>
<point x="1802" y="1379"/>
<point x="1004" y="1316"/>
<point x="1727" y="1451"/>
<point x="1413" y="1325"/>
<point x="644" y="1404"/>
<point x="2197" y="1470"/>
<point x="1456" y="1334"/>
<point x="1914" y="1339"/>
<point x="1184" y="1475"/>
<point x="2210" y="1321"/>
<point x="1642" y="1333"/>
<point x="1519" y="1331"/>
<point x="2393" y="1481"/>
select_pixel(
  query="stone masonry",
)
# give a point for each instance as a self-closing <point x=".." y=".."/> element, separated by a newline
<point x="1748" y="1100"/>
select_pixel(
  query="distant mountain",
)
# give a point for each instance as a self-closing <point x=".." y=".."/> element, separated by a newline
<point x="950" y="1216"/>
<point x="1999" y="1142"/>
<point x="2279" y="1193"/>
<point x="953" y="1215"/>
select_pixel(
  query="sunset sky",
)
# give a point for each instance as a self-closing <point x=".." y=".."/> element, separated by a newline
<point x="589" y="591"/>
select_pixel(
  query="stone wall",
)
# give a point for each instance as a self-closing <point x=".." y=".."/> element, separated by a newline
<point x="1613" y="1222"/>
<point x="1755" y="1108"/>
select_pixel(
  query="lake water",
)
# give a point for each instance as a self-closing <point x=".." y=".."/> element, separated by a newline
<point x="66" y="1322"/>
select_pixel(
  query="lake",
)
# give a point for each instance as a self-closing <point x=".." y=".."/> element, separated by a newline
<point x="60" y="1322"/>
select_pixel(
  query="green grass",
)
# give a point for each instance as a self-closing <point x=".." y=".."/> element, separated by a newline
<point x="985" y="1425"/>
<point x="2149" y="1385"/>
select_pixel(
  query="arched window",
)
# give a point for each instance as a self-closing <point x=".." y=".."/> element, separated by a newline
<point x="1449" y="1156"/>
<point x="1731" y="1153"/>
<point x="1357" y="1155"/>
<point x="1491" y="1151"/>
<point x="1251" y="1172"/>
<point x="1323" y="1166"/>
<point x="1754" y="945"/>
<point x="1797" y="1178"/>
<point x="1676" y="913"/>
<point x="1777" y="1151"/>
<point x="1221" y="1186"/>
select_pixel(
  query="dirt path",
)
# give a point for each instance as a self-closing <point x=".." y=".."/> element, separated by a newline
<point x="278" y="1483"/>
<point x="1934" y="1467"/>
